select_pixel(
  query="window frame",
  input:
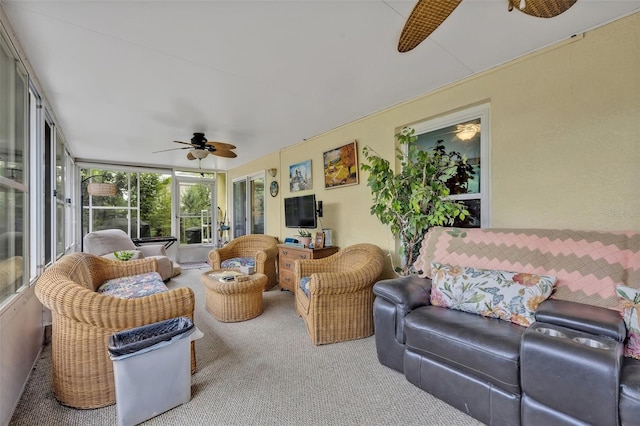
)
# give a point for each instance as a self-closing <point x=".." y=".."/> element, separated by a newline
<point x="249" y="198"/>
<point x="482" y="112"/>
<point x="15" y="195"/>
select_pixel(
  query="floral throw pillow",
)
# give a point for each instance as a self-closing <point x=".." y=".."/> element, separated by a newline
<point x="510" y="296"/>
<point x="630" y="304"/>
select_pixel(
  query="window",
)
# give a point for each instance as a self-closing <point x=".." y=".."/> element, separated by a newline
<point x="467" y="133"/>
<point x="141" y="206"/>
<point x="59" y="193"/>
<point x="14" y="211"/>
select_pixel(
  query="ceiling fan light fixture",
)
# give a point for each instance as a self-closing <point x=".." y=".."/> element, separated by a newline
<point x="467" y="131"/>
<point x="199" y="153"/>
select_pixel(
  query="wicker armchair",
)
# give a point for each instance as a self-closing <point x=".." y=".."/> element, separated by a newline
<point x="339" y="306"/>
<point x="83" y="320"/>
<point x="263" y="248"/>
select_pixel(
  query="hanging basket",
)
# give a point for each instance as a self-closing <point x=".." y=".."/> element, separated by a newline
<point x="102" y="189"/>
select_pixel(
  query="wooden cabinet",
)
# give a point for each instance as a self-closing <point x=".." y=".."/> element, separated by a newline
<point x="287" y="257"/>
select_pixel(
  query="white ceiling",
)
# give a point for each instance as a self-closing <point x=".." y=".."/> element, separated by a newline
<point x="126" y="78"/>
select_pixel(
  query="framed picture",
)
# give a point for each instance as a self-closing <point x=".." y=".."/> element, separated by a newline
<point x="300" y="177"/>
<point x="341" y="166"/>
<point x="319" y="243"/>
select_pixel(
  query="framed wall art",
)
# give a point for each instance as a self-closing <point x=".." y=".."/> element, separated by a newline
<point x="300" y="176"/>
<point x="341" y="166"/>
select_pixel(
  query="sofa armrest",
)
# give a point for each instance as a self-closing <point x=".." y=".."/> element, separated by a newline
<point x="395" y="298"/>
<point x="407" y="293"/>
<point x="582" y="317"/>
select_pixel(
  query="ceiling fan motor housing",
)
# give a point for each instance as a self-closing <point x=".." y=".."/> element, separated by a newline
<point x="199" y="139"/>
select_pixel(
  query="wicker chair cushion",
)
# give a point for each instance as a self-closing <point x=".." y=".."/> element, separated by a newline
<point x="133" y="286"/>
<point x="236" y="262"/>
<point x="304" y="285"/>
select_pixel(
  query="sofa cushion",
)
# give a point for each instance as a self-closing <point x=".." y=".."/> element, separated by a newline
<point x="486" y="348"/>
<point x="630" y="304"/>
<point x="510" y="296"/>
<point x="133" y="286"/>
<point x="236" y="262"/>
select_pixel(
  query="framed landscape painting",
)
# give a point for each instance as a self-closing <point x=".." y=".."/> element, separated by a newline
<point x="341" y="166"/>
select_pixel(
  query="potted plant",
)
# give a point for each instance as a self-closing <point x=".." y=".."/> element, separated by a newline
<point x="416" y="198"/>
<point x="305" y="237"/>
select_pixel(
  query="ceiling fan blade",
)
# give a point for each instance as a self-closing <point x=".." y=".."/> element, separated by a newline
<point x="221" y="145"/>
<point x="542" y="8"/>
<point x="190" y="156"/>
<point x="427" y="15"/>
<point x="171" y="149"/>
<point x="224" y="153"/>
<point x="186" y="143"/>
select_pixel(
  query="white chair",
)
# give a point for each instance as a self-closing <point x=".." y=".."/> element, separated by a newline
<point x="105" y="242"/>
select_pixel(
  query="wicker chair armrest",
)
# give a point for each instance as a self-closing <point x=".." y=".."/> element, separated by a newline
<point x="306" y="267"/>
<point x="216" y="256"/>
<point x="339" y="282"/>
<point x="117" y="268"/>
<point x="71" y="300"/>
<point x="261" y="256"/>
<point x="153" y="250"/>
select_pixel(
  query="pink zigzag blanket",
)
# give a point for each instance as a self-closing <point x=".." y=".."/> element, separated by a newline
<point x="587" y="264"/>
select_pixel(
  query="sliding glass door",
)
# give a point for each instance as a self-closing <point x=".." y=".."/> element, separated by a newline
<point x="248" y="205"/>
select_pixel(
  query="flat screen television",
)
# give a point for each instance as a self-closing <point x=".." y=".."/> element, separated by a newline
<point x="300" y="212"/>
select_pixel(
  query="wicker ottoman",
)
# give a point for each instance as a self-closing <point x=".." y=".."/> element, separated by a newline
<point x="232" y="301"/>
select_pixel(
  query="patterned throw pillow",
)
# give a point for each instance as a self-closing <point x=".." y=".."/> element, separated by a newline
<point x="304" y="285"/>
<point x="236" y="262"/>
<point x="630" y="304"/>
<point x="511" y="296"/>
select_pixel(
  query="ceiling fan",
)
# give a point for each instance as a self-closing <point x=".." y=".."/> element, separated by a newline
<point x="427" y="15"/>
<point x="200" y="147"/>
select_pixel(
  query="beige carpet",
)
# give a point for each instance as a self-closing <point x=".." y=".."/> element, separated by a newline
<point x="265" y="371"/>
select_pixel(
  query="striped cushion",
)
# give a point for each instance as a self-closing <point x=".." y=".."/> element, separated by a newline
<point x="588" y="264"/>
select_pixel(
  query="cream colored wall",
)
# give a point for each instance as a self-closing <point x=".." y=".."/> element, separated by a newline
<point x="565" y="141"/>
<point x="273" y="208"/>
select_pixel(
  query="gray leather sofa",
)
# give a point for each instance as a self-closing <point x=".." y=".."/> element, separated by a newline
<point x="567" y="368"/>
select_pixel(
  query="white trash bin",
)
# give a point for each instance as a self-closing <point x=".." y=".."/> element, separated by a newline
<point x="152" y="369"/>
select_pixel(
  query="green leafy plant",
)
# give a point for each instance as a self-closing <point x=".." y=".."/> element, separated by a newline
<point x="123" y="255"/>
<point x="416" y="198"/>
<point x="304" y="233"/>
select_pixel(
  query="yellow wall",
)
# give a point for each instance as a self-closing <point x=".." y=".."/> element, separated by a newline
<point x="565" y="141"/>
